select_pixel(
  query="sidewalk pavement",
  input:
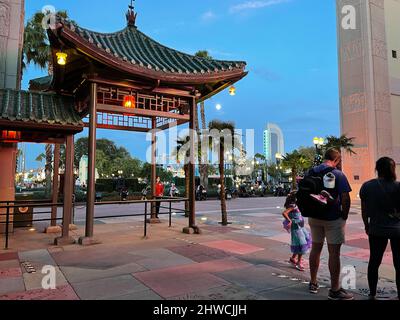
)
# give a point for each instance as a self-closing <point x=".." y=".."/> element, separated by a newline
<point x="244" y="261"/>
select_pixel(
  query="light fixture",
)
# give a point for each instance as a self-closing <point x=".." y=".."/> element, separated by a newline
<point x="321" y="141"/>
<point x="61" y="58"/>
<point x="10" y="136"/>
<point x="129" y="102"/>
<point x="232" y="91"/>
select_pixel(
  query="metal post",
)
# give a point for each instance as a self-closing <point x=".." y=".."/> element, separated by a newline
<point x="56" y="167"/>
<point x="91" y="193"/>
<point x="7" y="224"/>
<point x="145" y="219"/>
<point x="170" y="213"/>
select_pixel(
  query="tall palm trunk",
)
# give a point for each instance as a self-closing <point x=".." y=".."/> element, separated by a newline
<point x="203" y="168"/>
<point x="203" y="115"/>
<point x="294" y="178"/>
<point x="222" y="183"/>
<point x="187" y="189"/>
<point x="48" y="168"/>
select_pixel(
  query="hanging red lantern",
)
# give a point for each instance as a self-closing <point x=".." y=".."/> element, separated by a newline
<point x="10" y="136"/>
<point x="129" y="102"/>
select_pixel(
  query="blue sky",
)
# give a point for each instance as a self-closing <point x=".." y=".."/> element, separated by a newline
<point x="290" y="47"/>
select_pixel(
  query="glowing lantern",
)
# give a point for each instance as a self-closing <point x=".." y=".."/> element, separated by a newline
<point x="129" y="102"/>
<point x="61" y="58"/>
<point x="232" y="91"/>
<point x="10" y="136"/>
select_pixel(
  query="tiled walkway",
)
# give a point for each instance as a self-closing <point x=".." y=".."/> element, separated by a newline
<point x="247" y="260"/>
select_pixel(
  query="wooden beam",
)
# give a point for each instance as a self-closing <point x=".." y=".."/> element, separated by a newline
<point x="119" y="128"/>
<point x="34" y="126"/>
<point x="172" y="124"/>
<point x="140" y="112"/>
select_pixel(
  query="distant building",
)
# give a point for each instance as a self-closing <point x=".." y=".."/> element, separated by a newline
<point x="83" y="171"/>
<point x="273" y="142"/>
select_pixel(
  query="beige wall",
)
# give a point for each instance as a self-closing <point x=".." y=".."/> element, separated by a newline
<point x="392" y="19"/>
<point x="11" y="37"/>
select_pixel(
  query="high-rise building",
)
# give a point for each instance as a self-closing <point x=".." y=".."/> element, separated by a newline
<point x="273" y="142"/>
<point x="369" y="63"/>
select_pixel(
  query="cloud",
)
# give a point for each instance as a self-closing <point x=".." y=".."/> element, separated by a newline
<point x="250" y="5"/>
<point x="208" y="16"/>
<point x="266" y="74"/>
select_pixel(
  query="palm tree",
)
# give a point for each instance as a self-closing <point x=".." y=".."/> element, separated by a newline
<point x="203" y="168"/>
<point x="341" y="143"/>
<point x="262" y="162"/>
<point x="227" y="130"/>
<point x="36" y="50"/>
<point x="297" y="163"/>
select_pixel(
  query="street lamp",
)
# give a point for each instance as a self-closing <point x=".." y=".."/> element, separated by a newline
<point x="319" y="143"/>
<point x="279" y="158"/>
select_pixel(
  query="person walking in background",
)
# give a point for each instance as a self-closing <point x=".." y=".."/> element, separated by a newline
<point x="159" y="195"/>
<point x="300" y="237"/>
<point x="380" y="203"/>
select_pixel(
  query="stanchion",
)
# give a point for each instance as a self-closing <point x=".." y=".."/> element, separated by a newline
<point x="170" y="214"/>
<point x="7" y="224"/>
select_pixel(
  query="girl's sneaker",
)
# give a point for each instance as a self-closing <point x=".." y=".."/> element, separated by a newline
<point x="293" y="261"/>
<point x="300" y="267"/>
<point x="314" y="288"/>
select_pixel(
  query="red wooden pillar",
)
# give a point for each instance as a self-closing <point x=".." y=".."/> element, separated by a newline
<point x="153" y="178"/>
<point x="91" y="192"/>
<point x="56" y="168"/>
<point x="68" y="193"/>
<point x="192" y="193"/>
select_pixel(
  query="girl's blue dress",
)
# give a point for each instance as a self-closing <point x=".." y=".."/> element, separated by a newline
<point x="301" y="238"/>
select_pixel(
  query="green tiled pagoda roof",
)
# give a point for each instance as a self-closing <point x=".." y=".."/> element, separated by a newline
<point x="41" y="84"/>
<point x="39" y="108"/>
<point x="133" y="47"/>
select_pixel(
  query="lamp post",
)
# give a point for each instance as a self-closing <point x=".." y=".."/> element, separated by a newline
<point x="278" y="158"/>
<point x="319" y="143"/>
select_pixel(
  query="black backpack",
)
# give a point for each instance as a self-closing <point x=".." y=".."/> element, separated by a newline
<point x="313" y="183"/>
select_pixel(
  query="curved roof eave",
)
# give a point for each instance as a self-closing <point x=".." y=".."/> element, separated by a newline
<point x="105" y="56"/>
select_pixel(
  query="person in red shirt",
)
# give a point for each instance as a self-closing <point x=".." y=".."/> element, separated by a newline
<point x="159" y="194"/>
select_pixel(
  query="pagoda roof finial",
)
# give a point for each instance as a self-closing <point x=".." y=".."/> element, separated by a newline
<point x="131" y="15"/>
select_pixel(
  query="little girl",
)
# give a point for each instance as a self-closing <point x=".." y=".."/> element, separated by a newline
<point x="294" y="224"/>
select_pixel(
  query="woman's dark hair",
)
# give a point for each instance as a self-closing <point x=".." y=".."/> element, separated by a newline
<point x="386" y="168"/>
<point x="290" y="200"/>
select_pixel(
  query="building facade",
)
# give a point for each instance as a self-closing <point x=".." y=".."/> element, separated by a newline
<point x="273" y="142"/>
<point x="11" y="39"/>
<point x="369" y="77"/>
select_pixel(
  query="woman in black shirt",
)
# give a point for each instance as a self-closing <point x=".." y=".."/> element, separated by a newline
<point x="380" y="202"/>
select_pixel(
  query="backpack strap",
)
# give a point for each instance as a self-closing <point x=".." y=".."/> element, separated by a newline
<point x="322" y="173"/>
